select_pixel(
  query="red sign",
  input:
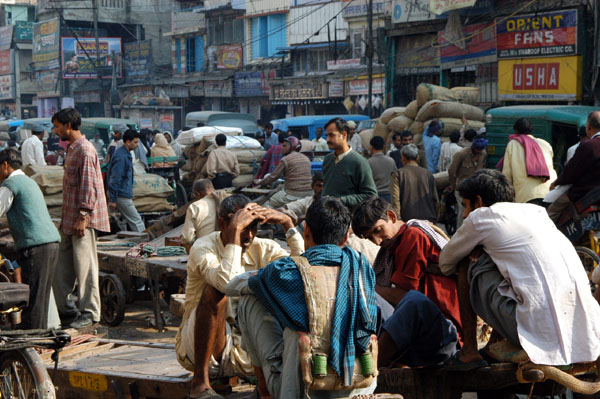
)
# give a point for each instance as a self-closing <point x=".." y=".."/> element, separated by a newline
<point x="536" y="76"/>
<point x="5" y="62"/>
<point x="537" y="35"/>
<point x="480" y="47"/>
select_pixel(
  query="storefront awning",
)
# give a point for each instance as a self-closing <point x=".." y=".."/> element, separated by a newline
<point x="310" y="46"/>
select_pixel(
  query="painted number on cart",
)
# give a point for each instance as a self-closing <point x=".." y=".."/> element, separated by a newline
<point x="89" y="382"/>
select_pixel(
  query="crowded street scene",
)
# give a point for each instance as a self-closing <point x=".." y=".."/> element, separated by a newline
<point x="281" y="199"/>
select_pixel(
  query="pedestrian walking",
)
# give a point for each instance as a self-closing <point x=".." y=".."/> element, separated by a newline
<point x="84" y="212"/>
<point x="382" y="168"/>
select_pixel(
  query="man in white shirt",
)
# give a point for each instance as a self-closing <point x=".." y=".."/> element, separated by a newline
<point x="582" y="137"/>
<point x="354" y="139"/>
<point x="525" y="278"/>
<point x="201" y="216"/>
<point x="32" y="149"/>
<point x="320" y="142"/>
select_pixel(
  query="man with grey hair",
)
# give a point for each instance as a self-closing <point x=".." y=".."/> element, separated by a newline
<point x="201" y="215"/>
<point x="413" y="191"/>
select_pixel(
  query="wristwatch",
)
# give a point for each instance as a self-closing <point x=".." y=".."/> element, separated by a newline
<point x="83" y="213"/>
<point x="290" y="233"/>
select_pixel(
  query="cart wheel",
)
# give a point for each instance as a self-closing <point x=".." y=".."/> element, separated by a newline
<point x="181" y="197"/>
<point x="113" y="297"/>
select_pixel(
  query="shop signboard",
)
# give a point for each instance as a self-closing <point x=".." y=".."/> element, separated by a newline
<point x="47" y="107"/>
<point x="90" y="96"/>
<point x="6" y="62"/>
<point x="336" y="88"/>
<point x="137" y="60"/>
<point x="480" y="47"/>
<point x="416" y="55"/>
<point x="421" y="10"/>
<point x="218" y="88"/>
<point x="7" y="87"/>
<point x="46" y="44"/>
<point x="196" y="89"/>
<point x="441" y="6"/>
<point x="248" y="84"/>
<point x="47" y="83"/>
<point x="23" y="31"/>
<point x="229" y="57"/>
<point x="81" y="59"/>
<point x="343" y="64"/>
<point x="167" y="122"/>
<point x="540" y="79"/>
<point x="361" y="87"/>
<point x="359" y="8"/>
<point x="545" y="34"/>
<point x="6" y="34"/>
<point x="299" y="91"/>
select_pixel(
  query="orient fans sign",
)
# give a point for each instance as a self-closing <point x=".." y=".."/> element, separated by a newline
<point x="548" y="34"/>
<point x="540" y="79"/>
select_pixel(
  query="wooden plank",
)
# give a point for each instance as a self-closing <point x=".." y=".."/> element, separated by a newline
<point x="85" y="353"/>
<point x="70" y="349"/>
<point x="155" y="345"/>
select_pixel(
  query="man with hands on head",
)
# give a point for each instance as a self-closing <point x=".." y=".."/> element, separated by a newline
<point x="208" y="343"/>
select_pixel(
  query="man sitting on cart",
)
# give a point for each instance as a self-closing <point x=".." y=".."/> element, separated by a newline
<point x="524" y="279"/>
<point x="207" y="338"/>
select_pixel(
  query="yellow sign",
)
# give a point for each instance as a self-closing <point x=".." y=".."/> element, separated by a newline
<point x="540" y="79"/>
<point x="89" y="382"/>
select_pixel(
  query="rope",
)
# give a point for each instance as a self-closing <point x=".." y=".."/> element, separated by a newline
<point x="170" y="251"/>
<point x="145" y="250"/>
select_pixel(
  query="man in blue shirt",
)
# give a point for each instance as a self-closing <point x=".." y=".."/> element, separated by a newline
<point x="120" y="181"/>
<point x="433" y="145"/>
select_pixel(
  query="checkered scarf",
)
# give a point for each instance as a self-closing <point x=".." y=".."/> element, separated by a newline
<point x="280" y="289"/>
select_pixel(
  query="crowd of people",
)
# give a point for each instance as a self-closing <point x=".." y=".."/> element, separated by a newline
<point x="255" y="307"/>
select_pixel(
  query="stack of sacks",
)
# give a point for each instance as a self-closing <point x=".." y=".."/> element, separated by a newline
<point x="196" y="143"/>
<point x="450" y="115"/>
<point x="150" y="193"/>
<point x="50" y="181"/>
<point x="365" y="138"/>
<point x="249" y="153"/>
<point x="381" y="127"/>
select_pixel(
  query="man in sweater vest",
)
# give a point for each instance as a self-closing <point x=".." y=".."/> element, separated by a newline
<point x="36" y="237"/>
<point x="347" y="173"/>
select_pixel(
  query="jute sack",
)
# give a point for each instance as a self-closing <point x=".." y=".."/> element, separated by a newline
<point x="391" y="113"/>
<point x="152" y="204"/>
<point x="54" y="199"/>
<point x="55" y="212"/>
<point x="417" y="127"/>
<point x="246" y="169"/>
<point x="427" y="92"/>
<point x="446" y="109"/>
<point x="365" y="138"/>
<point x="31" y="170"/>
<point x="381" y="129"/>
<point x="451" y="124"/>
<point x="242" y="180"/>
<point x="50" y="182"/>
<point x="151" y="186"/>
<point x="412" y="109"/>
<point x="466" y="95"/>
<point x="249" y="156"/>
<point x="399" y="124"/>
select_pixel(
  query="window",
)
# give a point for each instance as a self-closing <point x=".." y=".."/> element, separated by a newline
<point x="194" y="54"/>
<point x="225" y="32"/>
<point x="268" y="33"/>
<point x="178" y="54"/>
<point x="299" y="61"/>
<point x="357" y="45"/>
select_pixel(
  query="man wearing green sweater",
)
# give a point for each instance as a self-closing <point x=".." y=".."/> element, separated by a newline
<point x="36" y="237"/>
<point x="347" y="173"/>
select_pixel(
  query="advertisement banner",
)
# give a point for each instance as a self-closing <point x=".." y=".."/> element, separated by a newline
<point x="23" y="31"/>
<point x="441" y="6"/>
<point x="47" y="83"/>
<point x="81" y="60"/>
<point x="46" y="46"/>
<point x="298" y="91"/>
<point x="229" y="57"/>
<point x="343" y="64"/>
<point x="6" y="33"/>
<point x="137" y="59"/>
<point x="196" y="89"/>
<point x="416" y="55"/>
<point x="6" y="62"/>
<point x="538" y="35"/>
<point x="420" y="10"/>
<point x="361" y="87"/>
<point x="218" y="88"/>
<point x="480" y="47"/>
<point x="336" y="88"/>
<point x="7" y="88"/>
<point x="47" y="107"/>
<point x="359" y="8"/>
<point x="248" y="84"/>
<point x="540" y="79"/>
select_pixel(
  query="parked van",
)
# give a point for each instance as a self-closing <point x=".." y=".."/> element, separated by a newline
<point x="301" y="124"/>
<point x="246" y="122"/>
<point x="557" y="124"/>
<point x="103" y="127"/>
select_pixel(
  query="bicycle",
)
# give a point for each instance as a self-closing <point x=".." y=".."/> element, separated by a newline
<point x="22" y="372"/>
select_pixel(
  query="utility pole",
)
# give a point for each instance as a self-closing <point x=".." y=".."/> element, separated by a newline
<point x="370" y="56"/>
<point x="97" y="61"/>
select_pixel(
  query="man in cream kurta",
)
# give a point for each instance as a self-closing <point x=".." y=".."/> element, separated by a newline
<point x="213" y="264"/>
<point x="201" y="215"/>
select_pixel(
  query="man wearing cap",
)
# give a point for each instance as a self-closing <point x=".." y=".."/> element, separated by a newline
<point x="295" y="169"/>
<point x="354" y="140"/>
<point x="32" y="150"/>
<point x="464" y="164"/>
<point x="433" y="145"/>
<point x="117" y="141"/>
